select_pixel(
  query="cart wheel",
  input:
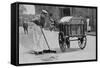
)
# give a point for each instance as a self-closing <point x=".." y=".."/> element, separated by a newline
<point x="62" y="43"/>
<point x="67" y="42"/>
<point x="82" y="42"/>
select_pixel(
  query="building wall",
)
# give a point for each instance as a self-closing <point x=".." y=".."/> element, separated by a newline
<point x="74" y="11"/>
<point x="51" y="9"/>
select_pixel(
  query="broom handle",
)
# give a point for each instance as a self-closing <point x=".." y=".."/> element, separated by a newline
<point x="45" y="38"/>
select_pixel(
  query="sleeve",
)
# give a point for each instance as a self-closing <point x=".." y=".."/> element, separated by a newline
<point x="36" y="19"/>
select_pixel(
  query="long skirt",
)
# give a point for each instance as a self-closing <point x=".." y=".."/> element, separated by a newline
<point x="38" y="39"/>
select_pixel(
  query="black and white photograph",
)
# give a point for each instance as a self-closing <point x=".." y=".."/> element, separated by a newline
<point x="51" y="33"/>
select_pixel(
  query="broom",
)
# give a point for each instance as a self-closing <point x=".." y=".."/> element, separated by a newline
<point x="49" y="50"/>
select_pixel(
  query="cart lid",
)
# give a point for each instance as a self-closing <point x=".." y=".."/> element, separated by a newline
<point x="71" y="20"/>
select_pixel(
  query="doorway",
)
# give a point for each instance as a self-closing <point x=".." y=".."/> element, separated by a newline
<point x="65" y="12"/>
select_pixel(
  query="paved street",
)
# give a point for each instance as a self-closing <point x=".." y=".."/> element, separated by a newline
<point x="72" y="54"/>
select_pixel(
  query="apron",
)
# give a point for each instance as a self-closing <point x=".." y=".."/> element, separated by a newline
<point x="38" y="39"/>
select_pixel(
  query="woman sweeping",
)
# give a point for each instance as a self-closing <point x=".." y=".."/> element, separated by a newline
<point x="40" y="43"/>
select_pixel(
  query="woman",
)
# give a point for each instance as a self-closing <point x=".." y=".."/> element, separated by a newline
<point x="39" y="22"/>
<point x="41" y="44"/>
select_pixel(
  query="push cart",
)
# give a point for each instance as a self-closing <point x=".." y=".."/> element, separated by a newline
<point x="72" y="27"/>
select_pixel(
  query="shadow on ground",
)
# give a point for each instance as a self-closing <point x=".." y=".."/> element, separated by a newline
<point x="68" y="50"/>
<point x="51" y="56"/>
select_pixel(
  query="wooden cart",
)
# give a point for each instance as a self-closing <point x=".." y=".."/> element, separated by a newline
<point x="72" y="27"/>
